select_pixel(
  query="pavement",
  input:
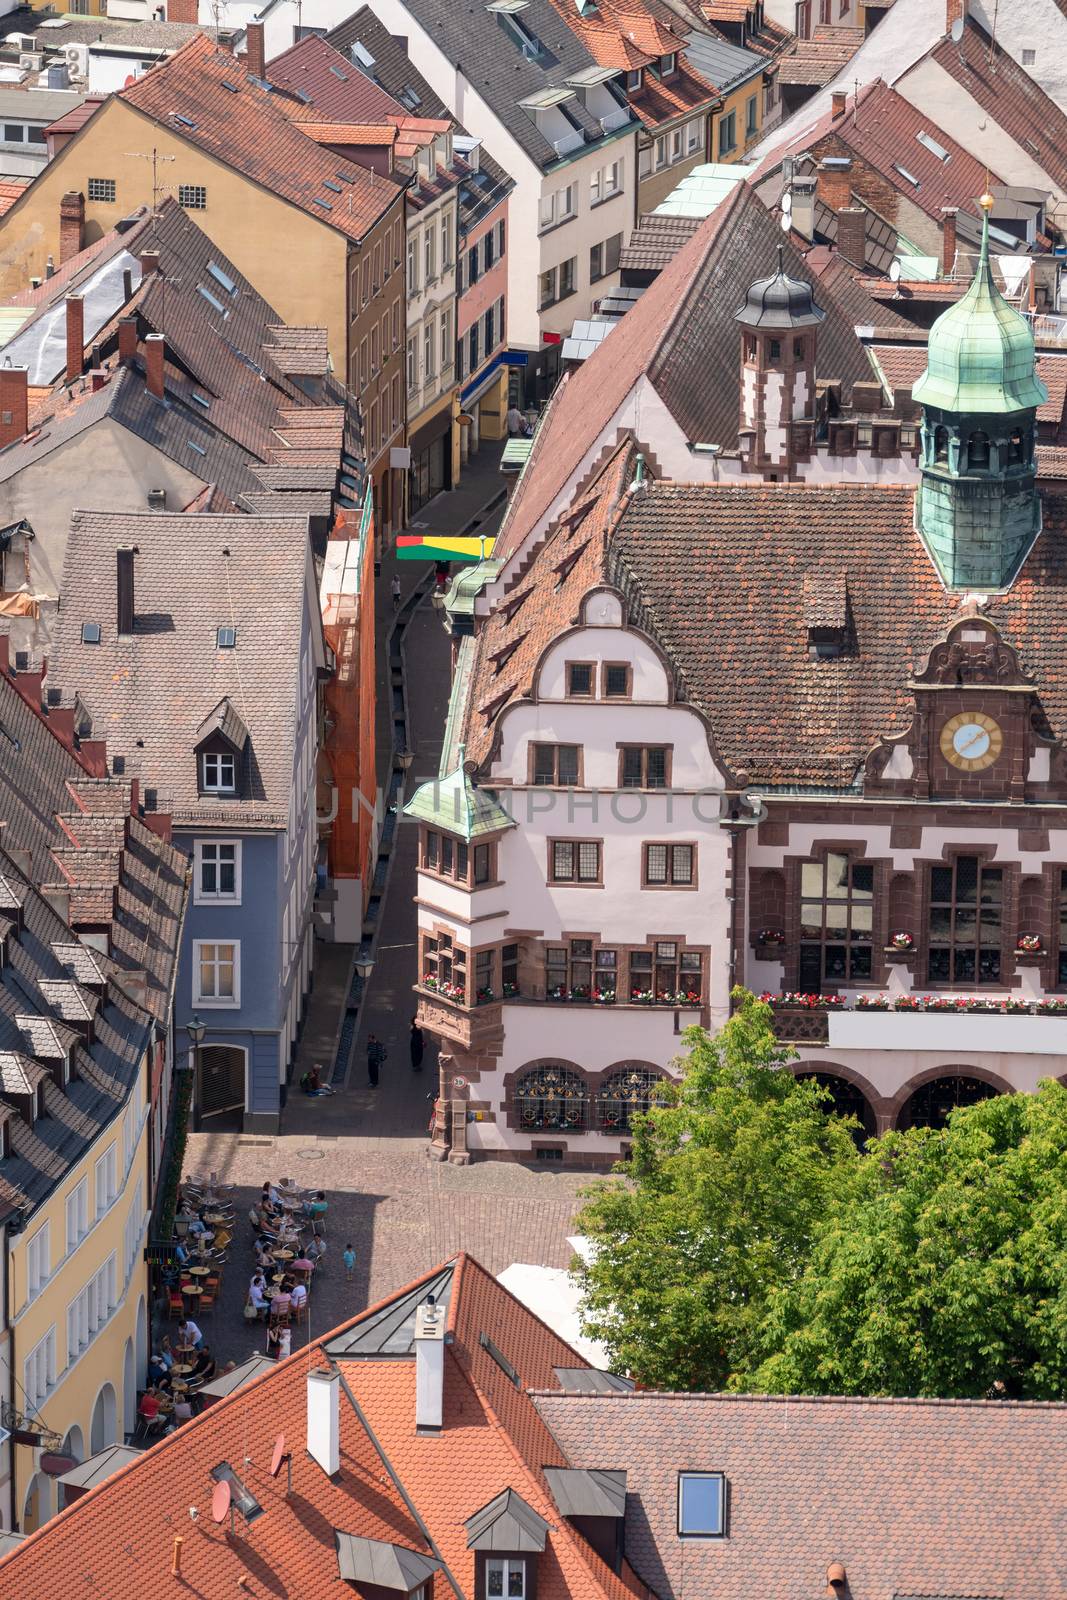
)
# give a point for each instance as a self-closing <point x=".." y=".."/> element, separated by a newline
<point x="367" y="1148"/>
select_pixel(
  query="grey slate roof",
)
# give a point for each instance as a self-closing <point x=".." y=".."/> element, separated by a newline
<point x="588" y="1491"/>
<point x="723" y="64"/>
<point x="390" y="1331"/>
<point x="506" y="1523"/>
<point x="243" y="1373"/>
<point x="151" y="691"/>
<point x="478" y="42"/>
<point x="99" y="1467"/>
<point x="589" y="1380"/>
<point x="386" y="1566"/>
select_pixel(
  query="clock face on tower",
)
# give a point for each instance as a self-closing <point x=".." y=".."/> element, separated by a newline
<point x="971" y="741"/>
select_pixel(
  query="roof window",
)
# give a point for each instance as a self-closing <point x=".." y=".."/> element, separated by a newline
<point x="241" y="1497"/>
<point x="409" y="98"/>
<point x="909" y="177"/>
<point x="199" y="449"/>
<point x="211" y="299"/>
<point x="233" y="87"/>
<point x="361" y="56"/>
<point x="325" y="204"/>
<point x="346" y="177"/>
<point x="334" y="188"/>
<point x="201" y="399"/>
<point x="701" y="1505"/>
<point x="932" y="145"/>
<point x="90" y="633"/>
<point x="184" y="122"/>
<point x="226" y="638"/>
<point x="338" y="73"/>
<point x="221" y="277"/>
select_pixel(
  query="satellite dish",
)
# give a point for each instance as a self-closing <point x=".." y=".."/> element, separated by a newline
<point x="277" y="1456"/>
<point x="787" y="202"/>
<point x="785" y="222"/>
<point x="894" y="271"/>
<point x="956" y="31"/>
<point x="220" y="1501"/>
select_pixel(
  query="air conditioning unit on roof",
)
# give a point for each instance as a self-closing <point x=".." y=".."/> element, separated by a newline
<point x="77" y="58"/>
<point x="31" y="61"/>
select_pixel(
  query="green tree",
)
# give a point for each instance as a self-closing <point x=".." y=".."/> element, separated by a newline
<point x="944" y="1272"/>
<point x="723" y="1195"/>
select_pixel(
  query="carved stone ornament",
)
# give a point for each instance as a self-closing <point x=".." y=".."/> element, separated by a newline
<point x="972" y="654"/>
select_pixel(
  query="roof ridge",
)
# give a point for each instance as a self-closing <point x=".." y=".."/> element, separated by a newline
<point x="802" y="1399"/>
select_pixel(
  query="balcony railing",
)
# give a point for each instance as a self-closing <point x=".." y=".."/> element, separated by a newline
<point x="805" y="1018"/>
<point x="615" y="119"/>
<point x="569" y="143"/>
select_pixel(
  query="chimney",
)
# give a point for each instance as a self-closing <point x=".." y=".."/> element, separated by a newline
<point x="50" y="267"/>
<point x="75" y="337"/>
<point x="124" y="608"/>
<point x="98" y="378"/>
<point x="948" y="239"/>
<point x="149" y="263"/>
<point x="182" y="11"/>
<point x="155" y="349"/>
<point x="838" y="98"/>
<point x="71" y="225"/>
<point x="955" y="11"/>
<point x="852" y="235"/>
<point x="14" y="404"/>
<point x="256" y="61"/>
<point x="127" y="338"/>
<point x="429" y="1364"/>
<point x="324" y="1420"/>
<point x="835" y="182"/>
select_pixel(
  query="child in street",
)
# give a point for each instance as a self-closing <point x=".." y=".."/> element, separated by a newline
<point x="349" y="1259"/>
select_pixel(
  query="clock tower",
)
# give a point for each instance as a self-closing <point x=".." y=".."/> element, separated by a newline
<point x="977" y="507"/>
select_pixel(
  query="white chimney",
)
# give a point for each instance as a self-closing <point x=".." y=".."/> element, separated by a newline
<point x="324" y="1420"/>
<point x="429" y="1365"/>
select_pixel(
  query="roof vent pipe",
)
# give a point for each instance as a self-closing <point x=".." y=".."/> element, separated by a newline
<point x="324" y="1420"/>
<point x="639" y="475"/>
<point x="429" y="1364"/>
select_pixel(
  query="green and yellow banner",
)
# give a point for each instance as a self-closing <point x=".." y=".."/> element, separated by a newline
<point x="444" y="547"/>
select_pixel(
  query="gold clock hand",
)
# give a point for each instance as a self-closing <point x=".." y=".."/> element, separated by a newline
<point x="976" y="739"/>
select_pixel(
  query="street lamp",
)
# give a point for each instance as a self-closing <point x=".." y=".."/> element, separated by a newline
<point x="196" y="1031"/>
<point x="364" y="964"/>
<point x="404" y="758"/>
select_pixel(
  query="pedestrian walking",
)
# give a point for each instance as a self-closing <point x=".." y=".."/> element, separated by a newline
<point x="417" y="1046"/>
<point x="375" y="1057"/>
<point x="349" y="1259"/>
<point x="395" y="591"/>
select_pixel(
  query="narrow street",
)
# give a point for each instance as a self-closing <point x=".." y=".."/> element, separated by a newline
<point x="367" y="1148"/>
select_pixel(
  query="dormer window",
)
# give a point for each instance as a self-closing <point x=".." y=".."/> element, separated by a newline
<point x="668" y="65"/>
<point x="701" y="1505"/>
<point x="635" y="79"/>
<point x="218" y="772"/>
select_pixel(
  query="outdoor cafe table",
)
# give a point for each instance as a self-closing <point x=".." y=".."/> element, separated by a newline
<point x="181" y="1366"/>
<point x="199" y="1272"/>
<point x="283" y="1255"/>
<point x="214" y="1216"/>
<point x="193" y="1289"/>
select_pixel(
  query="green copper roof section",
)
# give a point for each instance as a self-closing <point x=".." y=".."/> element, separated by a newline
<point x="981" y="352"/>
<point x="454" y="804"/>
<point x="467" y="585"/>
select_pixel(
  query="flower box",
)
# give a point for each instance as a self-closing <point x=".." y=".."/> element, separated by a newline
<point x="1051" y="1007"/>
<point x="805" y="1002"/>
<point x="603" y="997"/>
<point x="873" y="1002"/>
<point x="770" y="936"/>
<point x="901" y="942"/>
<point x="1029" y="944"/>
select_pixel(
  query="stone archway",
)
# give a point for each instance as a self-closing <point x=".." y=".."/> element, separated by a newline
<point x="852" y="1095"/>
<point x="73" y="1446"/>
<point x="928" y="1100"/>
<point x="140" y="1349"/>
<point x="37" y="1506"/>
<point x="102" y="1431"/>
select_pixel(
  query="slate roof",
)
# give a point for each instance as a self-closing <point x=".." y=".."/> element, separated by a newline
<point x="497" y="69"/>
<point x="627" y="34"/>
<point x="839" y="283"/>
<point x="721" y="62"/>
<point x="241" y="127"/>
<point x="817" y="59"/>
<point x="158" y="684"/>
<point x="803" y="1476"/>
<point x="682" y="335"/>
<point x="492" y="1440"/>
<point x="882" y="129"/>
<point x="394" y="72"/>
<point x="1008" y="94"/>
<point x="655" y="241"/>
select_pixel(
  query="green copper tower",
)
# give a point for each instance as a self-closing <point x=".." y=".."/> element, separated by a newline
<point x="977" y="507"/>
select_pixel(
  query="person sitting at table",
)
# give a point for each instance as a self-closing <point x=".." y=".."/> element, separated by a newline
<point x="280" y="1304"/>
<point x="157" y="1369"/>
<point x="189" y="1335"/>
<point x="166" y="1352"/>
<point x="316" y="1249"/>
<point x="257" y="1294"/>
<point x="271" y="1194"/>
<point x="153" y="1410"/>
<point x="181" y="1254"/>
<point x="183" y="1411"/>
<point x="204" y="1367"/>
<point x="316" y="1207"/>
<point x="298" y="1295"/>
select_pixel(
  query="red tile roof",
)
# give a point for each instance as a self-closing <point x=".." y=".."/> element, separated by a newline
<point x="334" y="86"/>
<point x="818" y="59"/>
<point x="10" y="191"/>
<point x="903" y="365"/>
<point x="882" y="128"/>
<point x="243" y="126"/>
<point x="74" y="120"/>
<point x="119" y="1538"/>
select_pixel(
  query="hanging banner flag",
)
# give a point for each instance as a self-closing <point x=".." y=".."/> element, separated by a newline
<point x="444" y="547"/>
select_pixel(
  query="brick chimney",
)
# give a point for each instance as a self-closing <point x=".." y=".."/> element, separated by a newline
<point x="155" y="348"/>
<point x="127" y="338"/>
<point x="71" y="225"/>
<point x="955" y="11"/>
<point x="852" y="235"/>
<point x="75" y="337"/>
<point x="149" y="262"/>
<point x="838" y="98"/>
<point x="256" y="60"/>
<point x="948" y="239"/>
<point x="835" y="182"/>
<point x="14" y="404"/>
<point x="182" y="11"/>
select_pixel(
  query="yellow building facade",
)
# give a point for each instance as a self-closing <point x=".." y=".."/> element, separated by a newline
<point x="78" y="1298"/>
<point x="737" y="125"/>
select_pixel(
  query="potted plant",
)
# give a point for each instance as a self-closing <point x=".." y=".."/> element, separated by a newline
<point x="559" y="991"/>
<point x="510" y="990"/>
<point x="641" y="997"/>
<point x="484" y="996"/>
<point x="603" y="997"/>
<point x="908" y="1002"/>
<point x="900" y="943"/>
<point x="771" y="936"/>
<point x="1028" y="944"/>
<point x="1051" y="1007"/>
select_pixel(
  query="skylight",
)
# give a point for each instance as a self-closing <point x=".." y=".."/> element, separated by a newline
<point x="335" y="188"/>
<point x="908" y="177"/>
<point x="362" y="56"/>
<point x="226" y="638"/>
<point x="487" y="1344"/>
<point x="201" y="400"/>
<point x="241" y="1496"/>
<point x="325" y="204"/>
<point x="338" y="73"/>
<point x="210" y="298"/>
<point x="220" y="277"/>
<point x="200" y="451"/>
<point x="700" y="1505"/>
<point x="233" y="87"/>
<point x="346" y="177"/>
<point x="510" y="6"/>
<point x="186" y="122"/>
<point x="409" y="98"/>
<point x="932" y="145"/>
<point x="90" y="633"/>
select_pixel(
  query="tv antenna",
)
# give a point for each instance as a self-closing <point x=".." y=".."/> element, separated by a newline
<point x="158" y="189"/>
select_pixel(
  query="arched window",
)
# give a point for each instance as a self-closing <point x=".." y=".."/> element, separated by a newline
<point x="978" y="449"/>
<point x="941" y="444"/>
<point x="626" y="1092"/>
<point x="932" y="1104"/>
<point x="551" y="1097"/>
<point x="846" y="1101"/>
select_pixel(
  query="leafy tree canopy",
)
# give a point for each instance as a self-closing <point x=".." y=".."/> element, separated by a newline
<point x="753" y="1247"/>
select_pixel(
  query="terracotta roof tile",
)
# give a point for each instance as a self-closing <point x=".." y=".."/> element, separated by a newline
<point x="332" y="83"/>
<point x="818" y="59"/>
